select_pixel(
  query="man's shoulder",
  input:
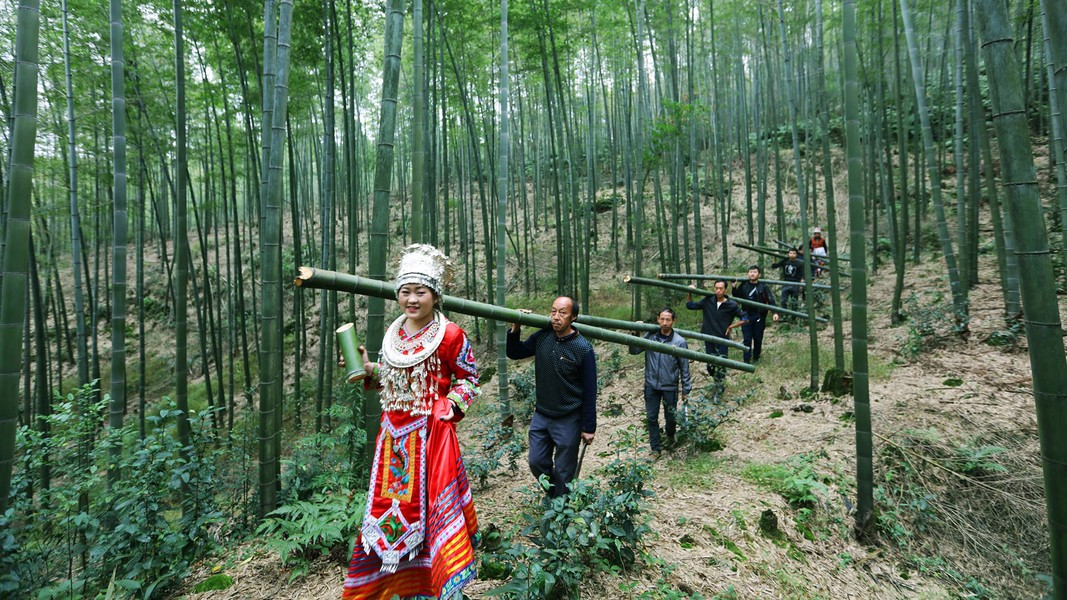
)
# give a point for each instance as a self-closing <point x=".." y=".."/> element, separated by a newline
<point x="580" y="341"/>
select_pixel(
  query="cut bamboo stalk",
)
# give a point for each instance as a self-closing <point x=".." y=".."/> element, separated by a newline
<point x="635" y="326"/>
<point x="684" y="288"/>
<point x="698" y="277"/>
<point x="322" y="279"/>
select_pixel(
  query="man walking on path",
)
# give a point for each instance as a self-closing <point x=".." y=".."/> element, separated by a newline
<point x="793" y="271"/>
<point x="662" y="372"/>
<point x="756" y="319"/>
<point x="719" y="314"/>
<point x="565" y="409"/>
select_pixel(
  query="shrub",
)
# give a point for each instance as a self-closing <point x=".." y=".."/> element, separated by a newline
<point x="593" y="529"/>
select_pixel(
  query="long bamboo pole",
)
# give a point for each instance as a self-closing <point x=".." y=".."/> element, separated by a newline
<point x="707" y="277"/>
<point x="684" y="288"/>
<point x="322" y="279"/>
<point x="636" y="326"/>
<point x="773" y="252"/>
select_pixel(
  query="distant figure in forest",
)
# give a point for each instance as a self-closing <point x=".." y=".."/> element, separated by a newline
<point x="817" y="245"/>
<point x="719" y="314"/>
<point x="419" y="525"/>
<point x="565" y="408"/>
<point x="792" y="271"/>
<point x="662" y="375"/>
<point x="755" y="317"/>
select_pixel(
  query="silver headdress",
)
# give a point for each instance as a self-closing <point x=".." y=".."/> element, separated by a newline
<point x="425" y="265"/>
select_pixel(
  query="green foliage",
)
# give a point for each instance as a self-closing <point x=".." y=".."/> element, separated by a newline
<point x="931" y="324"/>
<point x="702" y="413"/>
<point x="522" y="394"/>
<point x="1009" y="337"/>
<point x="499" y="444"/>
<point x="593" y="529"/>
<point x="978" y="460"/>
<point x="140" y="534"/>
<point x="218" y="581"/>
<point x="301" y="531"/>
<point x="904" y="506"/>
<point x="325" y="462"/>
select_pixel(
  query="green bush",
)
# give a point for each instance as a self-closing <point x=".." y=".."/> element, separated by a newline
<point x="140" y="533"/>
<point x="593" y="529"/>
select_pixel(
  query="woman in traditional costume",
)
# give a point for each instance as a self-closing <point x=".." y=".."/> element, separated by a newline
<point x="419" y="528"/>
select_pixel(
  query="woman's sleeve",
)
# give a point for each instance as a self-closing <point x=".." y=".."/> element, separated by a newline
<point x="465" y="374"/>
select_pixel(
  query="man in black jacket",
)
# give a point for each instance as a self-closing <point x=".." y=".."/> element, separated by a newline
<point x="565" y="378"/>
<point x="756" y="318"/>
<point x="792" y="271"/>
<point x="719" y="314"/>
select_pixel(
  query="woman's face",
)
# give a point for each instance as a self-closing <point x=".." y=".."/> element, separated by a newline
<point x="417" y="302"/>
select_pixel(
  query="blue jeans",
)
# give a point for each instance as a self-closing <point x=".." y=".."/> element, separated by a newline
<point x="670" y="405"/>
<point x="719" y="373"/>
<point x="560" y="437"/>
<point x="753" y="332"/>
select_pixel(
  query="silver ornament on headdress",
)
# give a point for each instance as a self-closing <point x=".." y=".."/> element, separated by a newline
<point x="425" y="265"/>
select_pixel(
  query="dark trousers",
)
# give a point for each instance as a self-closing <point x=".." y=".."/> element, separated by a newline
<point x="753" y="332"/>
<point x="554" y="449"/>
<point x="719" y="373"/>
<point x="670" y="405"/>
<point x="791" y="297"/>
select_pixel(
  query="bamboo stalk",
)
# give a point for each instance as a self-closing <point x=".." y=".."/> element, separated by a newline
<point x="698" y="277"/>
<point x="635" y="326"/>
<point x="774" y="252"/>
<point x="322" y="279"/>
<point x="683" y="288"/>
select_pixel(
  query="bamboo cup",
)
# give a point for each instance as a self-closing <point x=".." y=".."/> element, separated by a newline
<point x="346" y="340"/>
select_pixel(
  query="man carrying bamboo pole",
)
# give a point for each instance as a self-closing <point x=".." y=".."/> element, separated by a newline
<point x="719" y="314"/>
<point x="756" y="318"/>
<point x="662" y="374"/>
<point x="792" y="271"/>
<point x="565" y="408"/>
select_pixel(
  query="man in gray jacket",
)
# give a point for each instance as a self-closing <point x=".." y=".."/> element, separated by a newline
<point x="662" y="372"/>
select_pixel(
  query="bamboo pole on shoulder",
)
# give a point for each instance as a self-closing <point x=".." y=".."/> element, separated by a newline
<point x="683" y="288"/>
<point x="312" y="278"/>
<point x="640" y="326"/>
<point x="713" y="277"/>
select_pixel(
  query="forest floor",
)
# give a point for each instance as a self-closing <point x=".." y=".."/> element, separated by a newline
<point x="959" y="495"/>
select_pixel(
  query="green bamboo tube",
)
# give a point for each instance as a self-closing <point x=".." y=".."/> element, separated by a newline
<point x="634" y="326"/>
<point x="346" y="341"/>
<point x="742" y="302"/>
<point x="322" y="279"/>
<point x="697" y="277"/>
<point x="775" y="252"/>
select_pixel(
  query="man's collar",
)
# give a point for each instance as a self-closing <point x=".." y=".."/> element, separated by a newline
<point x="570" y="335"/>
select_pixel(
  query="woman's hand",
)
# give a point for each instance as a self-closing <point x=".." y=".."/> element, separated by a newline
<point x="368" y="366"/>
<point x="450" y="413"/>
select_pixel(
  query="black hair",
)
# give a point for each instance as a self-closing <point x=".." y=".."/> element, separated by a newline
<point x="722" y="281"/>
<point x="574" y="305"/>
<point x="667" y="309"/>
<point x="756" y="267"/>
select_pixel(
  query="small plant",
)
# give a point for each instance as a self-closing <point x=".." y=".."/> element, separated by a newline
<point x="699" y="417"/>
<point x="593" y="529"/>
<point x="301" y="531"/>
<point x="979" y="460"/>
<point x="930" y="324"/>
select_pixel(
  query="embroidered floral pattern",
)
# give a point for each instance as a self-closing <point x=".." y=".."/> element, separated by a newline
<point x="396" y="483"/>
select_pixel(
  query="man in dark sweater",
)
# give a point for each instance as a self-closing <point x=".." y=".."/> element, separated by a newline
<point x="756" y="318"/>
<point x="719" y="314"/>
<point x="565" y="378"/>
<point x="792" y="271"/>
<point x="662" y="373"/>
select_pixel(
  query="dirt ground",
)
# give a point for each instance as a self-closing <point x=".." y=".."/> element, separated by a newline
<point x="983" y="535"/>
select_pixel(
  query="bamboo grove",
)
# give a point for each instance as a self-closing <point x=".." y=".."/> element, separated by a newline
<point x="206" y="151"/>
